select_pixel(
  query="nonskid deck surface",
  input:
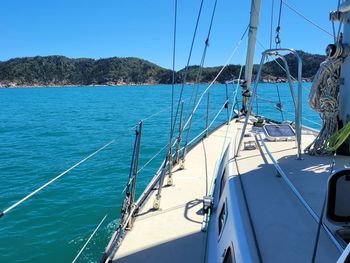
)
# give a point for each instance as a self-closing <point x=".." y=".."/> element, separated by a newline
<point x="173" y="233"/>
<point x="285" y="231"/>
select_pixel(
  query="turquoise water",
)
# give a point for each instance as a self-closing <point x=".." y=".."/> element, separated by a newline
<point x="44" y="131"/>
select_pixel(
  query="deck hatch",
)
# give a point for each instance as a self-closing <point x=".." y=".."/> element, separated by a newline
<point x="279" y="132"/>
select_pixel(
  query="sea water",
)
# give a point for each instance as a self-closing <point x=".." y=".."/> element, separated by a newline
<point x="44" y="131"/>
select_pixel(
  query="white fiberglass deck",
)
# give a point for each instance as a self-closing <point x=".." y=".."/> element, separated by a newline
<point x="285" y="231"/>
<point x="173" y="233"/>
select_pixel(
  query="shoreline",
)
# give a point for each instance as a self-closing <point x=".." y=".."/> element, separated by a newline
<point x="13" y="86"/>
<point x="74" y="86"/>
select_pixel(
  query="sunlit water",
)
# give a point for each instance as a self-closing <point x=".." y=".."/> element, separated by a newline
<point x="44" y="131"/>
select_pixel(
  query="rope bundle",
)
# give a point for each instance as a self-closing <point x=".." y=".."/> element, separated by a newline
<point x="323" y="98"/>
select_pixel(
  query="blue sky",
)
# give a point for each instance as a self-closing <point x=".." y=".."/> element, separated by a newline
<point x="143" y="28"/>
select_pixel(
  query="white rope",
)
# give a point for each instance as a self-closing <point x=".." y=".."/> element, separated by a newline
<point x="91" y="236"/>
<point x="323" y="98"/>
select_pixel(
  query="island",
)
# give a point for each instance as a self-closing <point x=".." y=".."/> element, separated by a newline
<point x="46" y="71"/>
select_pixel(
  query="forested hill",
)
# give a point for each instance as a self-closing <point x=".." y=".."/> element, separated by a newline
<point x="311" y="63"/>
<point x="271" y="70"/>
<point x="60" y="70"/>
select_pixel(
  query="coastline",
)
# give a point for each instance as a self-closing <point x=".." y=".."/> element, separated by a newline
<point x="15" y="85"/>
<point x="76" y="86"/>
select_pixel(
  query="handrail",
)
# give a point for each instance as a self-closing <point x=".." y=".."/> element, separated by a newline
<point x="298" y="103"/>
<point x="298" y="195"/>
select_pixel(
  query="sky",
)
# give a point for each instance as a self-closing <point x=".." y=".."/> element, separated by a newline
<point x="144" y="28"/>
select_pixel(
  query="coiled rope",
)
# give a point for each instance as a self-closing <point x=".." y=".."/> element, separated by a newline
<point x="323" y="98"/>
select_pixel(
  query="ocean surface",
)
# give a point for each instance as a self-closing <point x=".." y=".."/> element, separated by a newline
<point x="44" y="131"/>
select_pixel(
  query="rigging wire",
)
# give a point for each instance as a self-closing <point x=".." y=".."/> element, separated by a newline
<point x="288" y="112"/>
<point x="209" y="126"/>
<point x="228" y="126"/>
<point x="199" y="74"/>
<point x="219" y="73"/>
<point x="154" y="156"/>
<point x="276" y="61"/>
<point x="279" y="105"/>
<point x="278" y="28"/>
<point x="89" y="239"/>
<point x="77" y="164"/>
<point x="186" y="70"/>
<point x="63" y="173"/>
<point x="173" y="76"/>
<point x="271" y="22"/>
<point x="306" y="18"/>
<point x="273" y="102"/>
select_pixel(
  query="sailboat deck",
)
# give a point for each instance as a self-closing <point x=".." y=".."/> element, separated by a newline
<point x="173" y="233"/>
<point x="280" y="221"/>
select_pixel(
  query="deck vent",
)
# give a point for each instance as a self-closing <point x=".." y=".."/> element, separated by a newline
<point x="279" y="132"/>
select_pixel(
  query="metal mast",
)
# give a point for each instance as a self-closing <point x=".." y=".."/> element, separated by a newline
<point x="341" y="49"/>
<point x="344" y="91"/>
<point x="253" y="28"/>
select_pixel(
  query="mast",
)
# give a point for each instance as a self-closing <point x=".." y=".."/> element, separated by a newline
<point x="253" y="29"/>
<point x="341" y="49"/>
<point x="344" y="91"/>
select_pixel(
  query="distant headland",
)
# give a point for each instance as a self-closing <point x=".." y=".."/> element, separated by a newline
<point x="62" y="71"/>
